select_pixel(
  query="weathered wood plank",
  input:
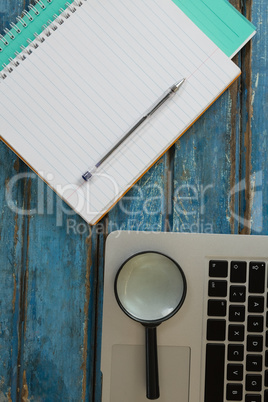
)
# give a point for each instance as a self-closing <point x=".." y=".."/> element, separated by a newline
<point x="246" y="136"/>
<point x="234" y="178"/>
<point x="57" y="306"/>
<point x="58" y="349"/>
<point x="9" y="10"/>
<point x="96" y="388"/>
<point x="202" y="171"/>
<point x="10" y="274"/>
<point x="254" y="155"/>
<point x="15" y="192"/>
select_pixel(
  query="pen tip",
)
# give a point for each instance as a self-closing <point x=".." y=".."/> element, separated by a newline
<point x="177" y="85"/>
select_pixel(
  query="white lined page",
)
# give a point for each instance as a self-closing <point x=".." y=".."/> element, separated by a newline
<point x="92" y="79"/>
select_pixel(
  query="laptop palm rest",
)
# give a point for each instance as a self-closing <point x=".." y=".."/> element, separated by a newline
<point x="128" y="381"/>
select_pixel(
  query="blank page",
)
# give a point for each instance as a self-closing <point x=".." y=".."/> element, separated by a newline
<point x="77" y="94"/>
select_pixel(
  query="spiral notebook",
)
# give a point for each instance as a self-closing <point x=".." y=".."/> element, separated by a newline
<point x="81" y="84"/>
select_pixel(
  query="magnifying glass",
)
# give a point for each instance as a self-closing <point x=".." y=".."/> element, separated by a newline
<point x="150" y="288"/>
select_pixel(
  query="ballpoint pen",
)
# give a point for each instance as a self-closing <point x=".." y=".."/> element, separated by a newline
<point x="166" y="95"/>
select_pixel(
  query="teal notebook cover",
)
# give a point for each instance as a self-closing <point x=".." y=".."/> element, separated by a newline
<point x="218" y="19"/>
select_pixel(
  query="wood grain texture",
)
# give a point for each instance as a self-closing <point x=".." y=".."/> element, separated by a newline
<point x="51" y="266"/>
<point x="9" y="10"/>
<point x="10" y="274"/>
<point x="255" y="131"/>
<point x="144" y="207"/>
<point x="202" y="170"/>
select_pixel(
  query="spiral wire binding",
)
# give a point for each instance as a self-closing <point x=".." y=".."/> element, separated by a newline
<point x="32" y="43"/>
<point x="21" y="21"/>
<point x="31" y="7"/>
<point x="27" y="14"/>
<point x="64" y="13"/>
<point x="20" y="55"/>
<point x="5" y="42"/>
<point x="58" y="19"/>
<point x="47" y="30"/>
<point x="14" y="26"/>
<point x="52" y="25"/>
<point x="42" y="5"/>
<point x="38" y="37"/>
<point x="71" y="7"/>
<point x="25" y="50"/>
<point x="14" y="62"/>
<point x="10" y="34"/>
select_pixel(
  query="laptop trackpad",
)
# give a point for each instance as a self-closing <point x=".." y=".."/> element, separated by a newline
<point x="128" y="380"/>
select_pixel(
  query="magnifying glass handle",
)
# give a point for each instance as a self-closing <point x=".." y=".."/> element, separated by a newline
<point x="152" y="382"/>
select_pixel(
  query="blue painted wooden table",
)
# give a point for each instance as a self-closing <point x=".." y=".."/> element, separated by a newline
<point x="51" y="268"/>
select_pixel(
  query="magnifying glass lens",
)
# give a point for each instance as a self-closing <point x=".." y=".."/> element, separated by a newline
<point x="150" y="287"/>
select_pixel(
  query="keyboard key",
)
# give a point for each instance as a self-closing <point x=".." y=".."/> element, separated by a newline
<point x="254" y="343"/>
<point x="237" y="294"/>
<point x="253" y="382"/>
<point x="217" y="308"/>
<point x="256" y="304"/>
<point x="266" y="358"/>
<point x="254" y="363"/>
<point x="238" y="271"/>
<point x="255" y="323"/>
<point x="234" y="392"/>
<point x="235" y="372"/>
<point x="235" y="353"/>
<point x="266" y="339"/>
<point x="256" y="277"/>
<point x="265" y="396"/>
<point x="216" y="330"/>
<point x="218" y="269"/>
<point x="236" y="313"/>
<point x="253" y="398"/>
<point x="236" y="333"/>
<point x="214" y="378"/>
<point x="266" y="378"/>
<point x="217" y="288"/>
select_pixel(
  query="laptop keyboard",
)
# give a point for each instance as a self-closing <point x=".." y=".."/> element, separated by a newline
<point x="236" y="332"/>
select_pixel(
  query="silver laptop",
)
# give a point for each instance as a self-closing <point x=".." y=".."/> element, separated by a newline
<point x="214" y="349"/>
